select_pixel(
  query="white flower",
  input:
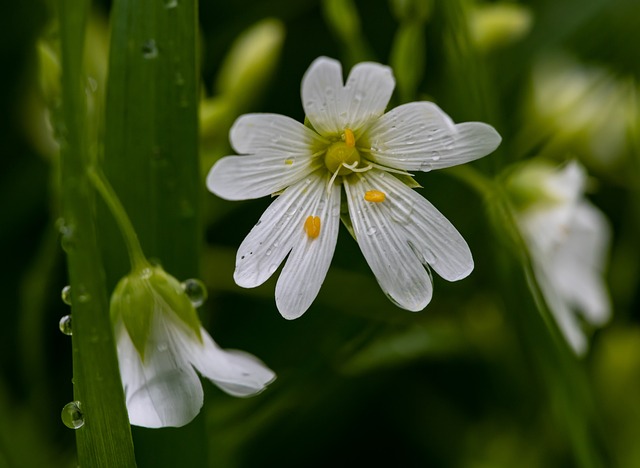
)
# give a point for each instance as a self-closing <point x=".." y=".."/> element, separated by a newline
<point x="161" y="344"/>
<point x="568" y="238"/>
<point x="348" y="143"/>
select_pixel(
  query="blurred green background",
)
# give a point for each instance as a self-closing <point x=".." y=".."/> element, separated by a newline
<point x="469" y="381"/>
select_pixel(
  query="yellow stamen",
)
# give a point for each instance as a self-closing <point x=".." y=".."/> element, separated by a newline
<point x="349" y="138"/>
<point x="288" y="162"/>
<point x="312" y="226"/>
<point x="375" y="196"/>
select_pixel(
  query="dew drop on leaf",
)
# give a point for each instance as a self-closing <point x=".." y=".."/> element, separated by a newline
<point x="72" y="416"/>
<point x="66" y="295"/>
<point x="65" y="325"/>
<point x="149" y="49"/>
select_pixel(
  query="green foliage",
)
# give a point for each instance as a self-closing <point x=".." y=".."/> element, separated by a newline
<point x="481" y="378"/>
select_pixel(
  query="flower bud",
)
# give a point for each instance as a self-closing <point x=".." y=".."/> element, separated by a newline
<point x="145" y="292"/>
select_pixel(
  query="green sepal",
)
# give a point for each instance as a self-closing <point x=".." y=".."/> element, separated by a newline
<point x="525" y="183"/>
<point x="170" y="290"/>
<point x="408" y="180"/>
<point x="146" y="291"/>
<point x="346" y="219"/>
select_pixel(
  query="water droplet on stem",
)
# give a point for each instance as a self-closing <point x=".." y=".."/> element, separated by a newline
<point x="66" y="295"/>
<point x="65" y="325"/>
<point x="150" y="49"/>
<point x="72" y="416"/>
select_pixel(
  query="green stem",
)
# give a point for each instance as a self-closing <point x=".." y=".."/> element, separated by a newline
<point x="105" y="438"/>
<point x="475" y="179"/>
<point x="102" y="185"/>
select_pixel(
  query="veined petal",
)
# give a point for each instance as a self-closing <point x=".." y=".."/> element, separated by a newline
<point x="280" y="153"/>
<point x="419" y="136"/>
<point x="236" y="372"/>
<point x="273" y="134"/>
<point x="308" y="263"/>
<point x="164" y="390"/>
<point x="275" y="234"/>
<point x="332" y="107"/>
<point x="385" y="246"/>
<point x="432" y="237"/>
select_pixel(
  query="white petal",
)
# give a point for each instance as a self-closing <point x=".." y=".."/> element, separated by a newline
<point x="564" y="316"/>
<point x="578" y="264"/>
<point x="384" y="245"/>
<point x="332" y="107"/>
<point x="280" y="152"/>
<point x="275" y="234"/>
<point x="164" y="390"/>
<point x="308" y="263"/>
<point x="419" y="136"/>
<point x="236" y="372"/>
<point x="272" y="134"/>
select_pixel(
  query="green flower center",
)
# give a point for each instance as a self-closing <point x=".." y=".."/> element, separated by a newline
<point x="341" y="154"/>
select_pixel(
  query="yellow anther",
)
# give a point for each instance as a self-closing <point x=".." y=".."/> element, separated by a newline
<point x="375" y="196"/>
<point x="288" y="162"/>
<point x="349" y="138"/>
<point x="312" y="226"/>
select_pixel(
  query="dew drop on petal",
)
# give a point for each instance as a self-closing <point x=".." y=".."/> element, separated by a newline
<point x="65" y="325"/>
<point x="72" y="416"/>
<point x="195" y="291"/>
<point x="425" y="166"/>
<point x="371" y="231"/>
<point x="66" y="294"/>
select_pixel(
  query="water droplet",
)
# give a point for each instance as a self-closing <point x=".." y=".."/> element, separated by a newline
<point x="291" y="211"/>
<point x="65" y="325"/>
<point x="425" y="166"/>
<point x="170" y="4"/>
<point x="66" y="295"/>
<point x="67" y="236"/>
<point x="195" y="291"/>
<point x="268" y="252"/>
<point x="93" y="84"/>
<point x="72" y="416"/>
<point x="162" y="347"/>
<point x="150" y="49"/>
<point x="82" y="295"/>
<point x="448" y="142"/>
<point x="371" y="231"/>
<point x="435" y="158"/>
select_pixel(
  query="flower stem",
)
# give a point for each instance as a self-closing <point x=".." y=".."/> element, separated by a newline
<point x="105" y="438"/>
<point x="104" y="188"/>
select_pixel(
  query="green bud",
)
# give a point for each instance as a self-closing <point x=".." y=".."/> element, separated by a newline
<point x="49" y="68"/>
<point x="144" y="292"/>
<point x="498" y="24"/>
<point x="526" y="183"/>
<point x="411" y="10"/>
<point x="342" y="15"/>
<point x="408" y="58"/>
<point x="251" y="61"/>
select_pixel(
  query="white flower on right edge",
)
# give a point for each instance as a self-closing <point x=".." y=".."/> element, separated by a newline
<point x="568" y="239"/>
